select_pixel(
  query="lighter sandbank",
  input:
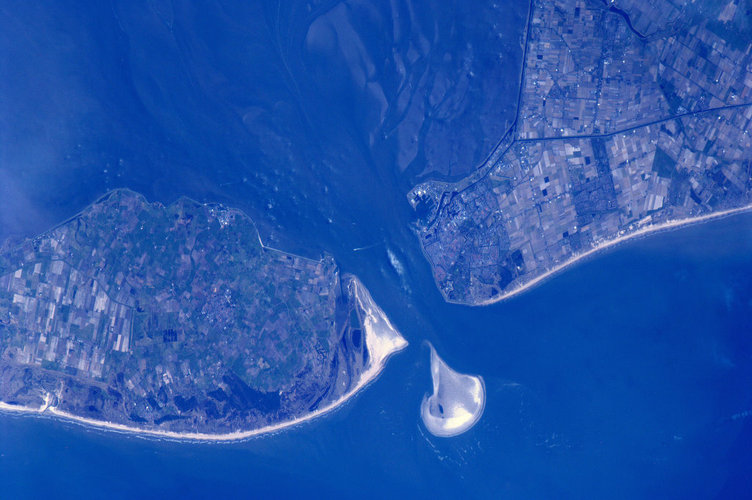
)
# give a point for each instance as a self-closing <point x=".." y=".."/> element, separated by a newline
<point x="605" y="244"/>
<point x="457" y="402"/>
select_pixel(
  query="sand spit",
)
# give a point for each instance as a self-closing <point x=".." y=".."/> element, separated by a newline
<point x="457" y="402"/>
<point x="382" y="340"/>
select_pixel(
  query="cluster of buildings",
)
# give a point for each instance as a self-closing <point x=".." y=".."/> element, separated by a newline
<point x="616" y="131"/>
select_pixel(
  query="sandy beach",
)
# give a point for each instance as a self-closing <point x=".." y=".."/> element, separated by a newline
<point x="382" y="340"/>
<point x="603" y="245"/>
<point x="457" y="401"/>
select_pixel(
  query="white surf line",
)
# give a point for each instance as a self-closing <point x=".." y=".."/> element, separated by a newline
<point x="603" y="245"/>
<point x="382" y="340"/>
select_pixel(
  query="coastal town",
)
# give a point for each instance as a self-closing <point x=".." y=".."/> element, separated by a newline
<point x="176" y="319"/>
<point x="624" y="126"/>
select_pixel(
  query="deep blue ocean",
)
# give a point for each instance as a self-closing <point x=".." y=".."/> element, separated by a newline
<point x="627" y="376"/>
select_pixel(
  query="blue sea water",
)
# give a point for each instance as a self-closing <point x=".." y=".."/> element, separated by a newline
<point x="627" y="376"/>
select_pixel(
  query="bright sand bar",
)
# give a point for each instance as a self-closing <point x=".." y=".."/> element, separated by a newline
<point x="457" y="401"/>
<point x="382" y="340"/>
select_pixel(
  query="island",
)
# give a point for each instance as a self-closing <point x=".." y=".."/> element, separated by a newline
<point x="176" y="321"/>
<point x="457" y="401"/>
<point x="633" y="116"/>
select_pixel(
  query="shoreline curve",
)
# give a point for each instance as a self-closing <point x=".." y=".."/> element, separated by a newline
<point x="382" y="341"/>
<point x="603" y="245"/>
<point x="453" y="410"/>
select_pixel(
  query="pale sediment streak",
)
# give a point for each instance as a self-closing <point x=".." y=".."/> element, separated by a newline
<point x="457" y="402"/>
<point x="382" y="340"/>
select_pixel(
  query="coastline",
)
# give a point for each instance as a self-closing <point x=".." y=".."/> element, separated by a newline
<point x="606" y="244"/>
<point x="454" y="419"/>
<point x="381" y="344"/>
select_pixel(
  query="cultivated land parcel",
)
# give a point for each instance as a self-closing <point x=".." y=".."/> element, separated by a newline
<point x="632" y="116"/>
<point x="177" y="321"/>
